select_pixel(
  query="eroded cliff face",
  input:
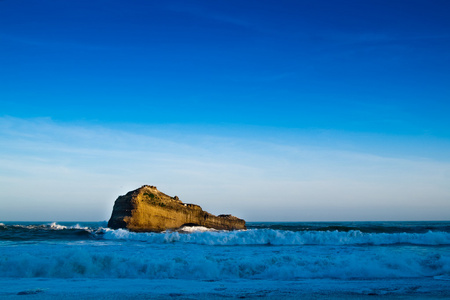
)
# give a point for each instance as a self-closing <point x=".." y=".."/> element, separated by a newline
<point x="147" y="209"/>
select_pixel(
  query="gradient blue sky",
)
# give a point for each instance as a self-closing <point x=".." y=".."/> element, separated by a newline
<point x="270" y="110"/>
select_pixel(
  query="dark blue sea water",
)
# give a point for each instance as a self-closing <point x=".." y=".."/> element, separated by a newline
<point x="277" y="251"/>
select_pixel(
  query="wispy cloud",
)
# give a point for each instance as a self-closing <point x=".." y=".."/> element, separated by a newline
<point x="71" y="168"/>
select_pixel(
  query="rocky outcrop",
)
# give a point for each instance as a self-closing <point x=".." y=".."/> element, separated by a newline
<point x="147" y="209"/>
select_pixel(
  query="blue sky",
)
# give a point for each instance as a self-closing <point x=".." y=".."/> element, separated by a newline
<point x="270" y="110"/>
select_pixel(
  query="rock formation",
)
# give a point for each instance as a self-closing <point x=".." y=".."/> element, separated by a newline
<point x="147" y="209"/>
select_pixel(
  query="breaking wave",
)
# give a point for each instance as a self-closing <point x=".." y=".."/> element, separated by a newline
<point x="50" y="226"/>
<point x="51" y="231"/>
<point x="205" y="236"/>
<point x="189" y="229"/>
<point x="138" y="262"/>
<point x="278" y="237"/>
<point x="89" y="250"/>
<point x="56" y="226"/>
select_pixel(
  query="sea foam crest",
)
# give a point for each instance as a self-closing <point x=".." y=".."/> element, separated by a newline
<point x="190" y="229"/>
<point x="278" y="237"/>
<point x="51" y="226"/>
<point x="56" y="226"/>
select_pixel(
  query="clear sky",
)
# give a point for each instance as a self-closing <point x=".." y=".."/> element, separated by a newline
<point x="269" y="110"/>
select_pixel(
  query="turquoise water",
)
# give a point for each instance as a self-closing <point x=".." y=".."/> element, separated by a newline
<point x="274" y="251"/>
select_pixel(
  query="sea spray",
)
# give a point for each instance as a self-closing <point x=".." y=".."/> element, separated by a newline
<point x="193" y="262"/>
<point x="278" y="237"/>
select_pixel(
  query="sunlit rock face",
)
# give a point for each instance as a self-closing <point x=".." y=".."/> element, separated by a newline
<point x="147" y="209"/>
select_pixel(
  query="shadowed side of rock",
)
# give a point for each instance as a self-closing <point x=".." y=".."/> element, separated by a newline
<point x="147" y="209"/>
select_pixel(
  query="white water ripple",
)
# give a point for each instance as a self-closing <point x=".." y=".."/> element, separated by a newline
<point x="278" y="237"/>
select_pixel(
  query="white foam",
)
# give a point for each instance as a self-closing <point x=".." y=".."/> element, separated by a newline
<point x="218" y="255"/>
<point x="53" y="226"/>
<point x="77" y="226"/>
<point x="56" y="226"/>
<point x="278" y="237"/>
<point x="195" y="229"/>
<point x="135" y="260"/>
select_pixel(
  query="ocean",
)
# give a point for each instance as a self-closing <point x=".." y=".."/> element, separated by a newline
<point x="310" y="260"/>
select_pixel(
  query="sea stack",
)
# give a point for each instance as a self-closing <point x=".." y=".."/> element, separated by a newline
<point x="147" y="209"/>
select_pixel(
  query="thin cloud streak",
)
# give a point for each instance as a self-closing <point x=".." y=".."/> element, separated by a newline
<point x="70" y="166"/>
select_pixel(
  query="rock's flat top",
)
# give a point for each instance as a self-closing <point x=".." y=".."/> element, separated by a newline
<point x="147" y="209"/>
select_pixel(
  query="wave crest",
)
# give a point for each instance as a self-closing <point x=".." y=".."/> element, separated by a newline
<point x="220" y="263"/>
<point x="277" y="237"/>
